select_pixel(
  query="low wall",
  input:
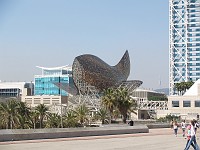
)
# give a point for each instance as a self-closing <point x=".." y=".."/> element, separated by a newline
<point x="144" y="122"/>
<point x="152" y="124"/>
<point x="32" y="134"/>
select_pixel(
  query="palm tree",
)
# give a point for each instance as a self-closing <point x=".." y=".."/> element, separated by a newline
<point x="53" y="120"/>
<point x="23" y="112"/>
<point x="124" y="103"/>
<point x="183" y="86"/>
<point x="9" y="111"/>
<point x="102" y="114"/>
<point x="42" y="110"/>
<point x="70" y="119"/>
<point x="116" y="114"/>
<point x="4" y="117"/>
<point x="178" y="87"/>
<point x="34" y="118"/>
<point x="108" y="101"/>
<point x="82" y="113"/>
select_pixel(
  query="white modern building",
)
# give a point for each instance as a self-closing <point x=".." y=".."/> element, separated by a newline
<point x="151" y="104"/>
<point x="184" y="42"/>
<point x="16" y="89"/>
<point x="145" y="95"/>
<point x="186" y="106"/>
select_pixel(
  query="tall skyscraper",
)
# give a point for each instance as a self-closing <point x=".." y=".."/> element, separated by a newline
<point x="184" y="42"/>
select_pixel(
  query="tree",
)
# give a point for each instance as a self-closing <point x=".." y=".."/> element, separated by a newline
<point x="53" y="120"/>
<point x="23" y="112"/>
<point x="124" y="103"/>
<point x="82" y="113"/>
<point x="102" y="114"/>
<point x="42" y="110"/>
<point x="34" y="118"/>
<point x="116" y="114"/>
<point x="108" y="101"/>
<point x="4" y="117"/>
<point x="70" y="119"/>
<point x="178" y="87"/>
<point x="182" y="87"/>
<point x="9" y="112"/>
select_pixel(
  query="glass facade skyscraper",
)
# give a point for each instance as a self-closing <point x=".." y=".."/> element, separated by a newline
<point x="184" y="42"/>
<point x="48" y="83"/>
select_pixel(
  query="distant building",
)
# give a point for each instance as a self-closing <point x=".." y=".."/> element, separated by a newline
<point x="149" y="103"/>
<point x="54" y="102"/>
<point x="144" y="95"/>
<point x="53" y="81"/>
<point x="186" y="106"/>
<point x="52" y="88"/>
<point x="15" y="89"/>
<point x="184" y="42"/>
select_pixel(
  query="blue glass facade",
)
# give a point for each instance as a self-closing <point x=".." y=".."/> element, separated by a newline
<point x="48" y="83"/>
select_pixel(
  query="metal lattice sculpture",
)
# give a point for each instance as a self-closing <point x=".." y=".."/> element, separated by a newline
<point x="92" y="71"/>
<point x="130" y="85"/>
<point x="92" y="75"/>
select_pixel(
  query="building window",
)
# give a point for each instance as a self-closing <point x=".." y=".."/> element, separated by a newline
<point x="175" y="103"/>
<point x="186" y="104"/>
<point x="197" y="103"/>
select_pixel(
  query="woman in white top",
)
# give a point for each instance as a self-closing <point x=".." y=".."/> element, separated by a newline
<point x="193" y="137"/>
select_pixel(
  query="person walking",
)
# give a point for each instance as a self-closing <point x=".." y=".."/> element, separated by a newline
<point x="189" y="136"/>
<point x="171" y="124"/>
<point x="183" y="127"/>
<point x="196" y="125"/>
<point x="193" y="137"/>
<point x="175" y="127"/>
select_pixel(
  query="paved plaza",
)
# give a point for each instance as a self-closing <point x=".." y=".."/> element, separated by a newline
<point x="156" y="139"/>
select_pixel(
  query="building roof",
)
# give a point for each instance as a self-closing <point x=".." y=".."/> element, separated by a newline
<point x="13" y="85"/>
<point x="145" y="90"/>
<point x="66" y="67"/>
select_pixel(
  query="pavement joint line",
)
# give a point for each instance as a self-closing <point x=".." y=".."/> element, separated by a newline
<point x="88" y="137"/>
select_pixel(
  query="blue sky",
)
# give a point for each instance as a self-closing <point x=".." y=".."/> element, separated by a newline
<point x="52" y="33"/>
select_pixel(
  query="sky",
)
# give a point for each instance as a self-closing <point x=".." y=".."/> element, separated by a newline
<point x="52" y="33"/>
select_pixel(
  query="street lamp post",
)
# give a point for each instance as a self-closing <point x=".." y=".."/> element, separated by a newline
<point x="61" y="119"/>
